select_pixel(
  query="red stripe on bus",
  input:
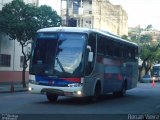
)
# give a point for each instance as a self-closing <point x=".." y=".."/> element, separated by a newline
<point x="119" y="77"/>
<point x="72" y="79"/>
<point x="108" y="75"/>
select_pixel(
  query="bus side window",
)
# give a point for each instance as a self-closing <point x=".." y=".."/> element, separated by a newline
<point x="125" y="52"/>
<point x="109" y="47"/>
<point x="92" y="44"/>
<point x="117" y="49"/>
<point x="100" y="45"/>
<point x="136" y="53"/>
<point x="131" y="53"/>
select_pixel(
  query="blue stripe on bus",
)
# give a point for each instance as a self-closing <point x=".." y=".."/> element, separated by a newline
<point x="59" y="82"/>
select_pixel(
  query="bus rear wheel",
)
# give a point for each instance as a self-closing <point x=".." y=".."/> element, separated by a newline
<point x="122" y="92"/>
<point x="51" y="97"/>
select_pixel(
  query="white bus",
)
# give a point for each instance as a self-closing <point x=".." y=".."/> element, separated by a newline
<point x="79" y="62"/>
<point x="156" y="72"/>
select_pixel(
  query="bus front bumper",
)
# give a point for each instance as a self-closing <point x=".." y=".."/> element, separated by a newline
<point x="63" y="91"/>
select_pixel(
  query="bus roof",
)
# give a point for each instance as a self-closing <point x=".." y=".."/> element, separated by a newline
<point x="156" y="65"/>
<point x="84" y="30"/>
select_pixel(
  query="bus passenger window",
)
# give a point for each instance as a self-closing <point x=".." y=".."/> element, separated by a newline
<point x="117" y="50"/>
<point x="100" y="45"/>
<point x="92" y="43"/>
<point x="109" y="47"/>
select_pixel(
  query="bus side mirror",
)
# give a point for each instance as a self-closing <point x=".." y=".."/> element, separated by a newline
<point x="89" y="48"/>
<point x="90" y="56"/>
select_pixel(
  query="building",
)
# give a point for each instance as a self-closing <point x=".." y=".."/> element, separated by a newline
<point x="138" y="31"/>
<point x="96" y="14"/>
<point x="154" y="33"/>
<point x="11" y="58"/>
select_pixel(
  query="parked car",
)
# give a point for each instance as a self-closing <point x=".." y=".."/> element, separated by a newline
<point x="146" y="79"/>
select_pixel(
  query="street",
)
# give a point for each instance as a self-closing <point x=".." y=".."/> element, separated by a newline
<point x="145" y="99"/>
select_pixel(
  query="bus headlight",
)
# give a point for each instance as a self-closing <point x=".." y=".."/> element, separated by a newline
<point x="75" y="85"/>
<point x="79" y="93"/>
<point x="153" y="78"/>
<point x="29" y="88"/>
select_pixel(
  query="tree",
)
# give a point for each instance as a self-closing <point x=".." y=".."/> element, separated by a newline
<point x="149" y="54"/>
<point x="20" y="22"/>
<point x="149" y="27"/>
<point x="124" y="37"/>
<point x="145" y="38"/>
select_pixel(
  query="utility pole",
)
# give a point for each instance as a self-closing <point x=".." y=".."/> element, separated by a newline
<point x="100" y="12"/>
<point x="67" y="12"/>
<point x="81" y="13"/>
<point x="139" y="33"/>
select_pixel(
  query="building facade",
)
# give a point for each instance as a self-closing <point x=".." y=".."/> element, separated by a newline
<point x="11" y="58"/>
<point x="96" y="14"/>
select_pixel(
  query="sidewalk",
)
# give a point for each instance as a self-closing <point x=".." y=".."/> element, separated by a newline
<point x="12" y="87"/>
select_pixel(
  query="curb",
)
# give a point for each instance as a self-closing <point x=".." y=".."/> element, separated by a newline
<point x="11" y="88"/>
<point x="13" y="91"/>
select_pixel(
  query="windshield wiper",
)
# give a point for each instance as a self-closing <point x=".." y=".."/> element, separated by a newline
<point x="60" y="64"/>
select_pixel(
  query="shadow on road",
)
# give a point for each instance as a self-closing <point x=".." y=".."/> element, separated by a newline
<point x="86" y="100"/>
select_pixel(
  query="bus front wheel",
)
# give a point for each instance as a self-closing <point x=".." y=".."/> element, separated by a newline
<point x="97" y="93"/>
<point x="52" y="97"/>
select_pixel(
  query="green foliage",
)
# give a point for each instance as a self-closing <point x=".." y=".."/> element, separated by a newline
<point x="134" y="39"/>
<point x="149" y="27"/>
<point x="145" y="38"/>
<point x="149" y="54"/>
<point x="149" y="51"/>
<point x="124" y="37"/>
<point x="21" y="21"/>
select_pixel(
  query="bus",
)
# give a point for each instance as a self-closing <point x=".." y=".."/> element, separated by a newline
<point x="81" y="62"/>
<point x="155" y="72"/>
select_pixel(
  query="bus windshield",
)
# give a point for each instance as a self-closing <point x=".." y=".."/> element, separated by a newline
<point x="58" y="54"/>
<point x="156" y="71"/>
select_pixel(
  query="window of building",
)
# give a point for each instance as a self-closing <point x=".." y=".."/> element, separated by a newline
<point x="5" y="60"/>
<point x="90" y="12"/>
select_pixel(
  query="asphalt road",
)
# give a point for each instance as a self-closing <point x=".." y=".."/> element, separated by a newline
<point x="141" y="101"/>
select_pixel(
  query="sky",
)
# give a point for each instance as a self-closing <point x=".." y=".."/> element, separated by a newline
<point x="140" y="12"/>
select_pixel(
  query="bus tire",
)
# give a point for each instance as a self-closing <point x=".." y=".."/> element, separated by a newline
<point x="51" y="97"/>
<point x="97" y="92"/>
<point x="122" y="92"/>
